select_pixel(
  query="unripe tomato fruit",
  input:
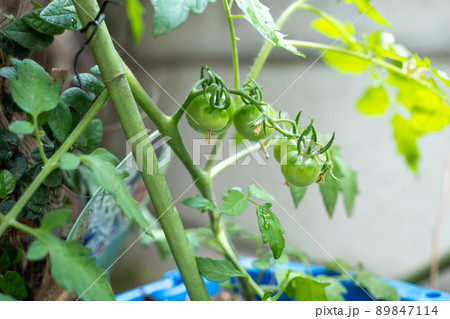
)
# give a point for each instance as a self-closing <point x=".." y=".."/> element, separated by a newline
<point x="202" y="116"/>
<point x="246" y="115"/>
<point x="300" y="170"/>
<point x="282" y="146"/>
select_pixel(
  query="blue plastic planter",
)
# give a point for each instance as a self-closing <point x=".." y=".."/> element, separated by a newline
<point x="172" y="288"/>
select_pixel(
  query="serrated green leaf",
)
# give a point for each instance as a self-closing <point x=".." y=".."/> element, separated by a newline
<point x="21" y="127"/>
<point x="12" y="284"/>
<point x="69" y="162"/>
<point x="135" y="12"/>
<point x="260" y="18"/>
<point x="254" y="191"/>
<point x="234" y="203"/>
<point x="297" y="194"/>
<point x="380" y="290"/>
<point x="91" y="136"/>
<point x="329" y="190"/>
<point x="366" y="8"/>
<point x="73" y="270"/>
<point x="56" y="218"/>
<point x="19" y="32"/>
<point x="60" y="121"/>
<point x="304" y="287"/>
<point x="8" y="72"/>
<point x="170" y="14"/>
<point x="335" y="290"/>
<point x="345" y="63"/>
<point x="77" y="98"/>
<point x="374" y="101"/>
<point x="62" y="13"/>
<point x="7" y="183"/>
<point x="90" y="83"/>
<point x="332" y="28"/>
<point x="34" y="21"/>
<point x="110" y="178"/>
<point x="33" y="90"/>
<point x="37" y="251"/>
<point x="271" y="229"/>
<point x="198" y="202"/>
<point x="217" y="270"/>
<point x="405" y="137"/>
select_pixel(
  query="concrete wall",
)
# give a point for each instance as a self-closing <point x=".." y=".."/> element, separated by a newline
<point x="391" y="229"/>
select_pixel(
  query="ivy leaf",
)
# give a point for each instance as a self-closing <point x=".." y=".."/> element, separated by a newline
<point x="170" y="14"/>
<point x="374" y="101"/>
<point x="33" y="90"/>
<point x="101" y="162"/>
<point x="259" y="193"/>
<point x="34" y="21"/>
<point x="12" y="48"/>
<point x="12" y="284"/>
<point x="18" y="165"/>
<point x="379" y="289"/>
<point x="85" y="277"/>
<point x="62" y="13"/>
<point x="136" y="11"/>
<point x="91" y="83"/>
<point x="56" y="218"/>
<point x="304" y="287"/>
<point x="60" y="121"/>
<point x="91" y="136"/>
<point x="271" y="229"/>
<point x="77" y="98"/>
<point x="41" y="195"/>
<point x="234" y="203"/>
<point x="69" y="162"/>
<point x="198" y="202"/>
<point x="335" y="290"/>
<point x="345" y="63"/>
<point x="7" y="183"/>
<point x="217" y="270"/>
<point x="19" y="32"/>
<point x="297" y="194"/>
<point x="21" y="127"/>
<point x="260" y="18"/>
<point x="366" y="8"/>
<point x="329" y="190"/>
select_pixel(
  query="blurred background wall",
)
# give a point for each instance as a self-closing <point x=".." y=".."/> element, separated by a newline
<point x="391" y="229"/>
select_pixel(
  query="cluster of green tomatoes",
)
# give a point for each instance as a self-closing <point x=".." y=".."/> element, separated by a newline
<point x="211" y="111"/>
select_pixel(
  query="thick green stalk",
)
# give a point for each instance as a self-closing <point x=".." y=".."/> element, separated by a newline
<point x="53" y="162"/>
<point x="117" y="85"/>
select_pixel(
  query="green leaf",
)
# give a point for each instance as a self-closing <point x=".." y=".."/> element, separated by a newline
<point x="5" y="151"/>
<point x="260" y="18"/>
<point x="56" y="218"/>
<point x="60" y="121"/>
<point x="217" y="270"/>
<point x="101" y="163"/>
<point x="37" y="251"/>
<point x="18" y="165"/>
<point x="69" y="162"/>
<point x="366" y="8"/>
<point x="331" y="27"/>
<point x="405" y="137"/>
<point x="297" y="194"/>
<point x="62" y="13"/>
<point x="34" y="21"/>
<point x="234" y="203"/>
<point x="54" y="179"/>
<point x="170" y="14"/>
<point x="4" y="297"/>
<point x="374" y="101"/>
<point x="21" y="127"/>
<point x="335" y="290"/>
<point x="91" y="136"/>
<point x="345" y="63"/>
<point x="77" y="98"/>
<point x="33" y="90"/>
<point x="8" y="137"/>
<point x="380" y="290"/>
<point x="12" y="284"/>
<point x="8" y="72"/>
<point x="198" y="202"/>
<point x="19" y="32"/>
<point x="439" y="73"/>
<point x="36" y="208"/>
<point x="304" y="287"/>
<point x="254" y="191"/>
<point x="41" y="195"/>
<point x="73" y="270"/>
<point x="271" y="229"/>
<point x="262" y="263"/>
<point x="91" y="83"/>
<point x="12" y="48"/>
<point x="4" y="262"/>
<point x="7" y="183"/>
<point x="329" y="190"/>
<point x="136" y="11"/>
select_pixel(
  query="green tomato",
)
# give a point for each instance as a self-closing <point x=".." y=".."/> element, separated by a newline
<point x="245" y="116"/>
<point x="202" y="116"/>
<point x="282" y="146"/>
<point x="300" y="169"/>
